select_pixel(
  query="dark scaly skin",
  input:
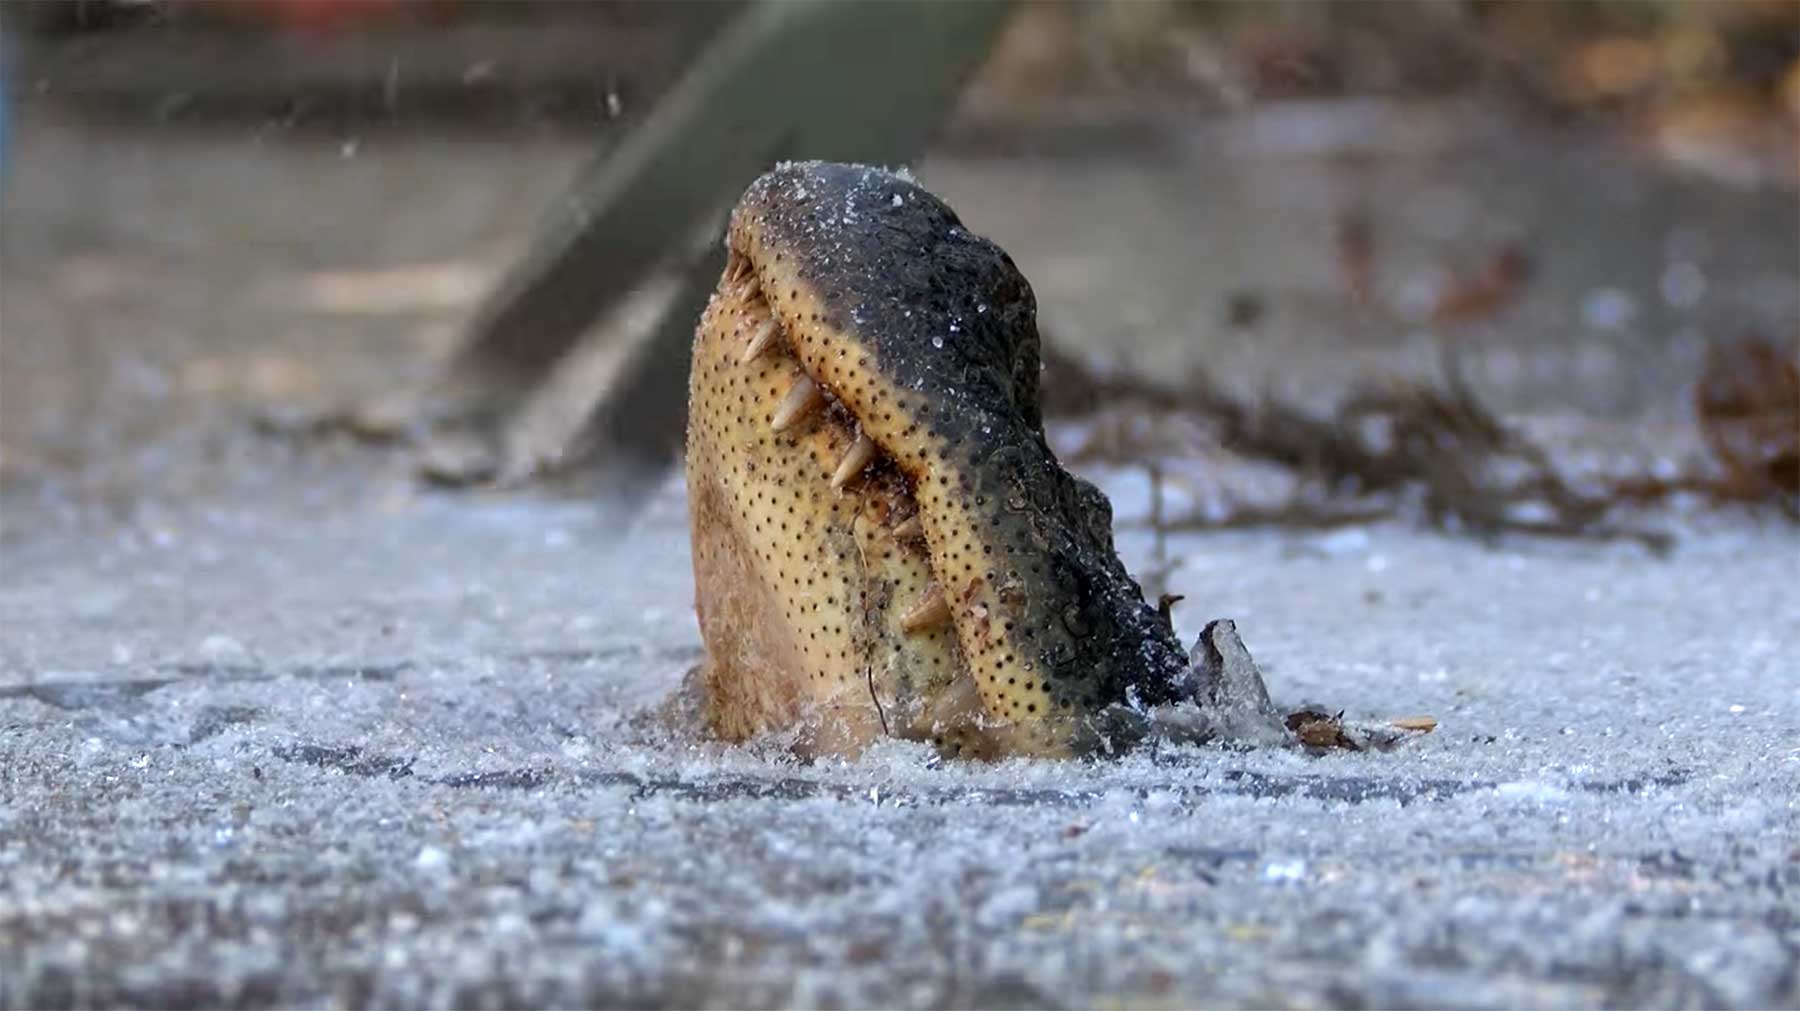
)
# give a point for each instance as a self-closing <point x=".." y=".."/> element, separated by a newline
<point x="923" y="338"/>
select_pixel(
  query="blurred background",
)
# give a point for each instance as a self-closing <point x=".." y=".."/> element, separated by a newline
<point x="270" y="209"/>
<point x="1372" y="319"/>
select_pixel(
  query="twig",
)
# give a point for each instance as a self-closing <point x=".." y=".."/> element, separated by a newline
<point x="1469" y="470"/>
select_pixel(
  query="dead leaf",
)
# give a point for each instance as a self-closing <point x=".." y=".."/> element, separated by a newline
<point x="1748" y="403"/>
<point x="1317" y="729"/>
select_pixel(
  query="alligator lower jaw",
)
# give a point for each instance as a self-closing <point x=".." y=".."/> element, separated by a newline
<point x="814" y="587"/>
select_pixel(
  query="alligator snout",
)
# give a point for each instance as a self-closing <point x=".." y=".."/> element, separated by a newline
<point x="883" y="540"/>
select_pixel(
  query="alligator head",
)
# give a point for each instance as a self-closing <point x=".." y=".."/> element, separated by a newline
<point x="883" y="540"/>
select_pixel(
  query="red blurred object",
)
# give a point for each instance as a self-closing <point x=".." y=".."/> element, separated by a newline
<point x="324" y="17"/>
<point x="1356" y="255"/>
<point x="1495" y="286"/>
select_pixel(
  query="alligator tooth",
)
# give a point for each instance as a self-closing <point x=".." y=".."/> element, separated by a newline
<point x="759" y="341"/>
<point x="860" y="453"/>
<point x="802" y="399"/>
<point x="930" y="611"/>
<point x="908" y="528"/>
<point x="742" y="284"/>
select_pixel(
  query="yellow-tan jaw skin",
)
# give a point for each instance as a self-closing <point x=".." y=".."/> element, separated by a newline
<point x="883" y="542"/>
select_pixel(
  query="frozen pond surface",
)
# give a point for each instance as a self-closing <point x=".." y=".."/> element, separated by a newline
<point x="277" y="728"/>
<point x="396" y="751"/>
